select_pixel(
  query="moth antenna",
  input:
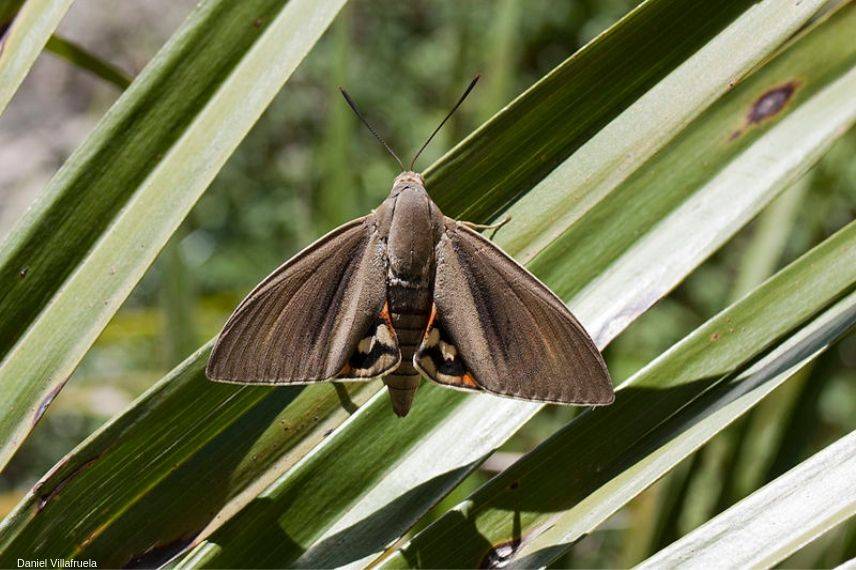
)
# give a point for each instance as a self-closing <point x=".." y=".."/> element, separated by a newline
<point x="356" y="111"/>
<point x="455" y="108"/>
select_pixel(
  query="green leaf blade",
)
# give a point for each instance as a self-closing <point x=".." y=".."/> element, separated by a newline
<point x="273" y="429"/>
<point x="661" y="415"/>
<point x="114" y="204"/>
<point x="432" y="460"/>
<point x="83" y="59"/>
<point x="712" y="352"/>
<point x="25" y="28"/>
<point x="775" y="521"/>
<point x="583" y="96"/>
<point x="140" y="513"/>
<point x="811" y="62"/>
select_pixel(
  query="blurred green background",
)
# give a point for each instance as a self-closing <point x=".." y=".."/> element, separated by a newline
<point x="308" y="166"/>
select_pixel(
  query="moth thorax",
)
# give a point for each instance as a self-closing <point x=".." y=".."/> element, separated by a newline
<point x="410" y="246"/>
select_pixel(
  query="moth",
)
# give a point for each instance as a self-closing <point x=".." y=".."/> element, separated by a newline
<point x="406" y="292"/>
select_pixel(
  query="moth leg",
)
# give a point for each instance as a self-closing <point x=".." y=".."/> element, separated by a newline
<point x="494" y="227"/>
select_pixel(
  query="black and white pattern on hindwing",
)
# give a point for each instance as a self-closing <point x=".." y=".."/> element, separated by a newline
<point x="439" y="359"/>
<point x="376" y="353"/>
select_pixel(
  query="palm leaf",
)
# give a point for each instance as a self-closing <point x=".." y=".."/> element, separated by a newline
<point x="79" y="57"/>
<point x="775" y="521"/>
<point x="77" y="254"/>
<point x="367" y="483"/>
<point x="660" y="416"/>
<point x="222" y="445"/>
<point x="25" y="27"/>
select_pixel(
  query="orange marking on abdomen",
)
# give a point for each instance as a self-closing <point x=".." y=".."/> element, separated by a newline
<point x="431" y="318"/>
<point x="387" y="318"/>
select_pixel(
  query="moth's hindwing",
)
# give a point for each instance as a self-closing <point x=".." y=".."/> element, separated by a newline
<point x="377" y="352"/>
<point x="439" y="359"/>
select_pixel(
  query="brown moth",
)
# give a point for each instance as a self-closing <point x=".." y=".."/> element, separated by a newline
<point x="405" y="292"/>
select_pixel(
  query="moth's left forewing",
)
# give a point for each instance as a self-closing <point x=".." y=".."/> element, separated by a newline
<point x="512" y="335"/>
<point x="319" y="316"/>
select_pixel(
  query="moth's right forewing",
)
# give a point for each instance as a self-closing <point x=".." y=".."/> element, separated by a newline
<point x="305" y="321"/>
<point x="513" y="336"/>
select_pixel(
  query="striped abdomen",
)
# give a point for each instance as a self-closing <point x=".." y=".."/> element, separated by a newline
<point x="409" y="308"/>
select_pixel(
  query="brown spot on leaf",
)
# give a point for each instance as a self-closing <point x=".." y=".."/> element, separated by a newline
<point x="23" y="272"/>
<point x="768" y="105"/>
<point x="514" y="485"/>
<point x="43" y="407"/>
<point x="715" y="337"/>
<point x="45" y="498"/>
<point x="257" y="23"/>
<point x="771" y="102"/>
<point x="499" y="555"/>
<point x="159" y="554"/>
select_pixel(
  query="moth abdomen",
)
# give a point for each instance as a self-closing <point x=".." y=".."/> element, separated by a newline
<point x="402" y="389"/>
<point x="409" y="329"/>
<point x="408" y="311"/>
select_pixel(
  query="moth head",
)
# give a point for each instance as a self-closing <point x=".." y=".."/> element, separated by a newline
<point x="408" y="179"/>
